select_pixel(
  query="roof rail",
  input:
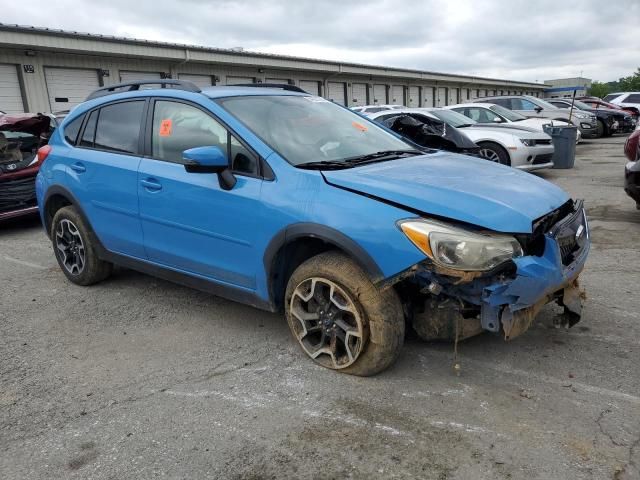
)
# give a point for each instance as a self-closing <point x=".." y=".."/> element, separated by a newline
<point x="135" y="85"/>
<point x="283" y="86"/>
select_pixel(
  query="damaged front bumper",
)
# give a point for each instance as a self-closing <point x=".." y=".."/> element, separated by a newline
<point x="507" y="300"/>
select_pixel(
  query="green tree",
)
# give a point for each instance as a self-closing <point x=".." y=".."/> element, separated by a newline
<point x="599" y="89"/>
<point x="631" y="83"/>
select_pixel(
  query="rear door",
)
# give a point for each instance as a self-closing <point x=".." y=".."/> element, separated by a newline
<point x="67" y="87"/>
<point x="103" y="174"/>
<point x="189" y="222"/>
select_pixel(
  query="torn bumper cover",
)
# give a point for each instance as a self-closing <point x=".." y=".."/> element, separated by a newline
<point x="510" y="301"/>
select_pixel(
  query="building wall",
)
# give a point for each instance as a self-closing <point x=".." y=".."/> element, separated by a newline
<point x="108" y="59"/>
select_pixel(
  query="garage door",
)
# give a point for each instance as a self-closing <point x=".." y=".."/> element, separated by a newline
<point x="414" y="97"/>
<point x="441" y="97"/>
<point x="379" y="94"/>
<point x="464" y="95"/>
<point x="397" y="95"/>
<point x="359" y="94"/>
<point x="336" y="93"/>
<point x="131" y="76"/>
<point x="67" y="87"/>
<point x="10" y="95"/>
<point x="310" y="86"/>
<point x="453" y="96"/>
<point x="231" y="80"/>
<point x="427" y="96"/>
<point x="202" y="81"/>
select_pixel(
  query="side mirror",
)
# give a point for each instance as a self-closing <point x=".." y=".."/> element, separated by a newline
<point x="497" y="120"/>
<point x="538" y="109"/>
<point x="209" y="160"/>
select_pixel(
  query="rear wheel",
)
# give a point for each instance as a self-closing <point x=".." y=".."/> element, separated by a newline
<point x="494" y="153"/>
<point x="341" y="320"/>
<point x="74" y="247"/>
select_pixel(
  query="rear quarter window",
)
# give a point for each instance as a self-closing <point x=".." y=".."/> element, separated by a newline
<point x="72" y="129"/>
<point x="633" y="98"/>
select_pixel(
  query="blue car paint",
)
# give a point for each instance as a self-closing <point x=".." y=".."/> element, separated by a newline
<point x="192" y="226"/>
<point x="459" y="187"/>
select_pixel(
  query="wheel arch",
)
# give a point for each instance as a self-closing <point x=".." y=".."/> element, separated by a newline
<point x="298" y="242"/>
<point x="56" y="198"/>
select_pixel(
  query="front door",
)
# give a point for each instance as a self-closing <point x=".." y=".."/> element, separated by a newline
<point x="189" y="222"/>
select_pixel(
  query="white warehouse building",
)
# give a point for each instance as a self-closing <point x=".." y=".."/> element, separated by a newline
<point x="45" y="70"/>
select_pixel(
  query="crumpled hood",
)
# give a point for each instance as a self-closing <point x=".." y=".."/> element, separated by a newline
<point x="458" y="187"/>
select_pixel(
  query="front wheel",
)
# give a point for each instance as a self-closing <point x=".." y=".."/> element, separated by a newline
<point x="494" y="153"/>
<point x="601" y="130"/>
<point x="341" y="320"/>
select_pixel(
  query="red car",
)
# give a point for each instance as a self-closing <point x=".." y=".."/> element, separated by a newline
<point x="20" y="138"/>
<point x="632" y="169"/>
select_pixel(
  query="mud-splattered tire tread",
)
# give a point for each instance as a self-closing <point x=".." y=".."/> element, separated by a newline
<point x="95" y="269"/>
<point x="381" y="309"/>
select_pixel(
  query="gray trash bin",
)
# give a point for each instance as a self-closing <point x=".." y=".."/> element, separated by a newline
<point x="564" y="144"/>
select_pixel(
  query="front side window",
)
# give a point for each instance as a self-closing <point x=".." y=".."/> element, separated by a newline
<point x="305" y="129"/>
<point x="178" y="127"/>
<point x="118" y="128"/>
<point x="522" y="104"/>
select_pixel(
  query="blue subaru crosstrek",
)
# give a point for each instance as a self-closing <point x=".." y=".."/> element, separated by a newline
<point x="288" y="202"/>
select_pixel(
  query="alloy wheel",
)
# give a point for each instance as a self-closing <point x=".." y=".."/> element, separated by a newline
<point x="489" y="154"/>
<point x="70" y="247"/>
<point x="327" y="323"/>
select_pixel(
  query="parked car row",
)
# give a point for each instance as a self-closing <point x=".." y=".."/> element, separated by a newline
<point x="609" y="121"/>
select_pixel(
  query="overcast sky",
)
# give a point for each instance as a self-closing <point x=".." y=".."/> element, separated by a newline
<point x="514" y="39"/>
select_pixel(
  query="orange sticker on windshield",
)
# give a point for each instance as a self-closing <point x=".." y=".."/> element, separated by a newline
<point x="165" y="127"/>
<point x="359" y="126"/>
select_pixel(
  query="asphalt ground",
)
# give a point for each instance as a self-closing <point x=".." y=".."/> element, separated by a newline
<point x="140" y="378"/>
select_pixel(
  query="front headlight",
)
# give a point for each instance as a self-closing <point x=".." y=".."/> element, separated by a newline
<point x="460" y="249"/>
<point x="528" y="142"/>
<point x="580" y="115"/>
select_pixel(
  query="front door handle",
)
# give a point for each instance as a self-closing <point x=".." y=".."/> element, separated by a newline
<point x="78" y="167"/>
<point x="151" y="184"/>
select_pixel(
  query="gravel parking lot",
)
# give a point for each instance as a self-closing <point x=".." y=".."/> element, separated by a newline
<point x="140" y="378"/>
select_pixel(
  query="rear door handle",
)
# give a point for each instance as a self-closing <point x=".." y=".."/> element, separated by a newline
<point x="78" y="167"/>
<point x="151" y="184"/>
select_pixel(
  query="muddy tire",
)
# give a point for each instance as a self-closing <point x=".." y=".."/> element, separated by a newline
<point x="601" y="129"/>
<point x="340" y="319"/>
<point x="74" y="246"/>
<point x="494" y="153"/>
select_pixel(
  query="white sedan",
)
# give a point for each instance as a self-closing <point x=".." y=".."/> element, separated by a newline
<point x="495" y="114"/>
<point x="522" y="149"/>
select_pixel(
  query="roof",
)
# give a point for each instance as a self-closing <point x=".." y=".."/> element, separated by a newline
<point x="245" y="55"/>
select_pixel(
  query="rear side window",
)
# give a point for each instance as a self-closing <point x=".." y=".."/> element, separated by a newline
<point x="633" y="98"/>
<point x="118" y="128"/>
<point x="89" y="133"/>
<point x="503" y="102"/>
<point x="72" y="129"/>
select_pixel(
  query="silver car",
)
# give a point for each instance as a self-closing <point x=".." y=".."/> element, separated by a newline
<point x="536" y="107"/>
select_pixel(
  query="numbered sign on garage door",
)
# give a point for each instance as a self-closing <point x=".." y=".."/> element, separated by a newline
<point x="358" y="94"/>
<point x="336" y="93"/>
<point x="10" y="94"/>
<point x="310" y="86"/>
<point x="441" y="97"/>
<point x="397" y="95"/>
<point x="379" y="94"/>
<point x="414" y="97"/>
<point x="67" y="87"/>
<point x="202" y="81"/>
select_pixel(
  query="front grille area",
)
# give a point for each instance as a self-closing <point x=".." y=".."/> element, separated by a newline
<point x="571" y="235"/>
<point x="543" y="142"/>
<point x="16" y="194"/>
<point x="544" y="158"/>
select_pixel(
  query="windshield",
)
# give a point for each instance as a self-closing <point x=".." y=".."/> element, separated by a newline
<point x="508" y="114"/>
<point x="306" y="129"/>
<point x="452" y="118"/>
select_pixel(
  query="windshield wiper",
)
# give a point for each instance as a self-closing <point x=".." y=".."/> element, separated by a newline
<point x="350" y="162"/>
